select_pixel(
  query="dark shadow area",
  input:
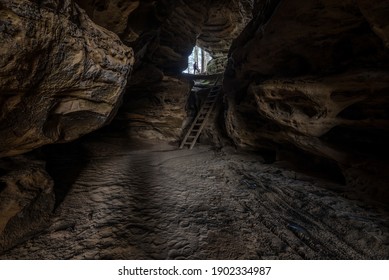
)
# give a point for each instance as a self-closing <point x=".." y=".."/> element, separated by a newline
<point x="3" y="185"/>
<point x="3" y="172"/>
<point x="269" y="155"/>
<point x="311" y="165"/>
<point x="367" y="141"/>
<point x="144" y="213"/>
<point x="64" y="162"/>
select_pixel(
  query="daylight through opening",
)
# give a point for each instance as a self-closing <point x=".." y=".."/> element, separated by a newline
<point x="198" y="61"/>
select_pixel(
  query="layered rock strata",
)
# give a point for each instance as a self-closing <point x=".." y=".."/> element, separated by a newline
<point x="62" y="76"/>
<point x="314" y="75"/>
<point x="163" y="34"/>
<point x="155" y="112"/>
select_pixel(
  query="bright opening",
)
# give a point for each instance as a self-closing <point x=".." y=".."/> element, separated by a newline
<point x="199" y="58"/>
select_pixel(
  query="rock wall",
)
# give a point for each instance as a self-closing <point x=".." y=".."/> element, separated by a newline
<point x="155" y="112"/>
<point x="62" y="76"/>
<point x="163" y="34"/>
<point x="308" y="75"/>
<point x="26" y="199"/>
<point x="314" y="74"/>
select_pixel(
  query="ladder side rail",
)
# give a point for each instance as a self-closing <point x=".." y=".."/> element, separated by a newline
<point x="203" y="124"/>
<point x="209" y="101"/>
<point x="190" y="130"/>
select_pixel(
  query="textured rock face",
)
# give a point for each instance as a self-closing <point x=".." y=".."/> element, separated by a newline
<point x="165" y="31"/>
<point x="163" y="34"/>
<point x="61" y="75"/>
<point x="157" y="112"/>
<point x="26" y="199"/>
<point x="314" y="74"/>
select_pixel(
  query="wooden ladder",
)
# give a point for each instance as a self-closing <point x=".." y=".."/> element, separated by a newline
<point x="201" y="119"/>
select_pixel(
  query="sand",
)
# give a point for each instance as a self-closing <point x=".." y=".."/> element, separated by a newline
<point x="124" y="200"/>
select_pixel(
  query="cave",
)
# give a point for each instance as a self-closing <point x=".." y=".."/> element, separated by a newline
<point x="112" y="146"/>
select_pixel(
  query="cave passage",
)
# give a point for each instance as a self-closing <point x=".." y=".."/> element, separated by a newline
<point x="96" y="97"/>
<point x="138" y="201"/>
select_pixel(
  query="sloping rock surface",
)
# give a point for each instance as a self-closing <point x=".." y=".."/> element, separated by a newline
<point x="314" y="75"/>
<point x="156" y="111"/>
<point x="26" y="199"/>
<point x="62" y="76"/>
<point x="166" y="31"/>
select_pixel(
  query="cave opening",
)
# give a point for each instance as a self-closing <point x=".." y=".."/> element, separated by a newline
<point x="199" y="58"/>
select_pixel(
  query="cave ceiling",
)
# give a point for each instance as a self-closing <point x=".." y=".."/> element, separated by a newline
<point x="164" y="32"/>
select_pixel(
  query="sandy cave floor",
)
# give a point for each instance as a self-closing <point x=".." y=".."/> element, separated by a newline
<point x="157" y="202"/>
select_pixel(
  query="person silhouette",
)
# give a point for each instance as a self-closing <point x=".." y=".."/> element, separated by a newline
<point x="195" y="68"/>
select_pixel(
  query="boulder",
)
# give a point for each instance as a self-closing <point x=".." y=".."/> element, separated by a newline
<point x="26" y="199"/>
<point x="62" y="76"/>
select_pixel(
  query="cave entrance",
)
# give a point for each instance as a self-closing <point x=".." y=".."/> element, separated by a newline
<point x="199" y="57"/>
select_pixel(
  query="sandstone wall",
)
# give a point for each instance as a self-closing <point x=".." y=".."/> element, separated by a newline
<point x="163" y="34"/>
<point x="314" y="74"/>
<point x="26" y="199"/>
<point x="62" y="76"/>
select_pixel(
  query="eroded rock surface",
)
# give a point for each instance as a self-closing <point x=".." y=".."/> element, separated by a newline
<point x="314" y="74"/>
<point x="163" y="34"/>
<point x="156" y="111"/>
<point x="26" y="199"/>
<point x="62" y="76"/>
<point x="307" y="75"/>
<point x="166" y="31"/>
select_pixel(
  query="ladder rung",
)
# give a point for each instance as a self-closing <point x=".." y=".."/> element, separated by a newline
<point x="200" y="120"/>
